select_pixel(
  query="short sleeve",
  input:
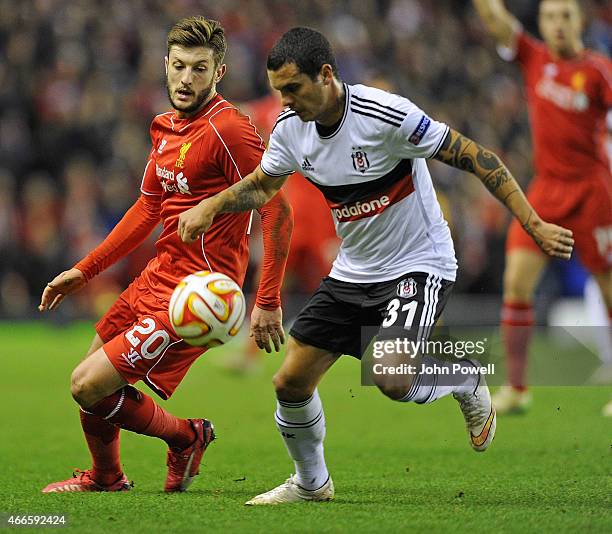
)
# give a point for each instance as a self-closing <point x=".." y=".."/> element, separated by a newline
<point x="419" y="136"/>
<point x="150" y="185"/>
<point x="277" y="159"/>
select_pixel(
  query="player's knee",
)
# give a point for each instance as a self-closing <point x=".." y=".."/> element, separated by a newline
<point x="291" y="389"/>
<point x="395" y="391"/>
<point x="388" y="377"/>
<point x="83" y="389"/>
<point x="78" y="387"/>
<point x="515" y="288"/>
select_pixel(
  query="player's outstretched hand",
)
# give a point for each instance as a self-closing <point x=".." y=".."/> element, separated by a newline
<point x="266" y="325"/>
<point x="195" y="221"/>
<point x="63" y="284"/>
<point x="554" y="240"/>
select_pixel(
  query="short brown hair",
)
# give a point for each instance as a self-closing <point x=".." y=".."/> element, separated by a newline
<point x="199" y="31"/>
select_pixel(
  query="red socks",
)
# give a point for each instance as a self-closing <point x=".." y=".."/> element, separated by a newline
<point x="133" y="410"/>
<point x="516" y="327"/>
<point x="103" y="442"/>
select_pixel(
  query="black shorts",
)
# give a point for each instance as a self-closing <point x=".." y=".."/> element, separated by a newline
<point x="343" y="317"/>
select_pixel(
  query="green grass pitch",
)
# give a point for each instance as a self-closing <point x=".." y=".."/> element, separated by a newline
<point x="396" y="467"/>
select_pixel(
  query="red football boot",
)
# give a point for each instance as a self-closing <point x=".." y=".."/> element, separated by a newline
<point x="184" y="465"/>
<point x="82" y="481"/>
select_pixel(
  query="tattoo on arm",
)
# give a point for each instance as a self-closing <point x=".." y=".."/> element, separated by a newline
<point x="462" y="153"/>
<point x="243" y="196"/>
<point x="496" y="179"/>
<point x="252" y="192"/>
<point x="527" y="226"/>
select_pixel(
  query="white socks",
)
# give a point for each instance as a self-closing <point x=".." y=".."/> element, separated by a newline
<point x="302" y="425"/>
<point x="428" y="387"/>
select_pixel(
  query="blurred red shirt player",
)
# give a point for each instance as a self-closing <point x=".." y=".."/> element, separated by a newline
<point x="569" y="95"/>
<point x="202" y="147"/>
<point x="314" y="243"/>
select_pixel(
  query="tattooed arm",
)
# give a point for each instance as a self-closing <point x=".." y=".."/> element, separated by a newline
<point x="252" y="192"/>
<point x="463" y="153"/>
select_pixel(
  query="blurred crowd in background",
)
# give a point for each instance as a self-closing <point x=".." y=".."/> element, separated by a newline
<point x="80" y="81"/>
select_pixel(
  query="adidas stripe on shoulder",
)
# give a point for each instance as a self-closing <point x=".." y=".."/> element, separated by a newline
<point x="285" y="114"/>
<point x="375" y="110"/>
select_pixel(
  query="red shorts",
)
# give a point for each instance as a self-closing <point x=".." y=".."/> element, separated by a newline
<point x="140" y="342"/>
<point x="585" y="207"/>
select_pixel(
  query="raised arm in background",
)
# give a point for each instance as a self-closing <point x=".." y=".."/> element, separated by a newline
<point x="500" y="23"/>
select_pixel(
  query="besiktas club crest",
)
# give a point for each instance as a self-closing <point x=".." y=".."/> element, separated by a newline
<point x="407" y="288"/>
<point x="360" y="160"/>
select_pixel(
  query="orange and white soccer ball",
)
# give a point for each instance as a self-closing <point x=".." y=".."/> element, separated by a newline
<point x="207" y="309"/>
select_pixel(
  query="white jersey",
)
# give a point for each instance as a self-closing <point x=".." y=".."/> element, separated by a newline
<point x="372" y="173"/>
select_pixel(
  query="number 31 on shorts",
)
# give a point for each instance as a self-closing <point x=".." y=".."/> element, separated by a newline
<point x="395" y="309"/>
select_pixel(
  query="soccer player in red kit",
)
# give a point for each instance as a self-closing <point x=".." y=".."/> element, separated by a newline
<point x="313" y="241"/>
<point x="202" y="147"/>
<point x="569" y="94"/>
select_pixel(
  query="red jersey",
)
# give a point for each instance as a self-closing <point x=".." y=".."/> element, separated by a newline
<point x="192" y="159"/>
<point x="568" y="101"/>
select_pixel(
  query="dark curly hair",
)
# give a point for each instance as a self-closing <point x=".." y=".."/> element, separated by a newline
<point x="307" y="48"/>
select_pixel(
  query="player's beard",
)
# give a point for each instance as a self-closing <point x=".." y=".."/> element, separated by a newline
<point x="201" y="97"/>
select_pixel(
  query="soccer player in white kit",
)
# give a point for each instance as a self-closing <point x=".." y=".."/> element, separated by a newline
<point x="365" y="150"/>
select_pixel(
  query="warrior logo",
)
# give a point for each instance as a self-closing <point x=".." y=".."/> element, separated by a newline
<point x="180" y="162"/>
<point x="360" y="160"/>
<point x="407" y="288"/>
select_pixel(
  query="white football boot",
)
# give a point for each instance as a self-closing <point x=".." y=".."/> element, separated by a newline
<point x="508" y="400"/>
<point x="607" y="410"/>
<point x="290" y="491"/>
<point x="479" y="415"/>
